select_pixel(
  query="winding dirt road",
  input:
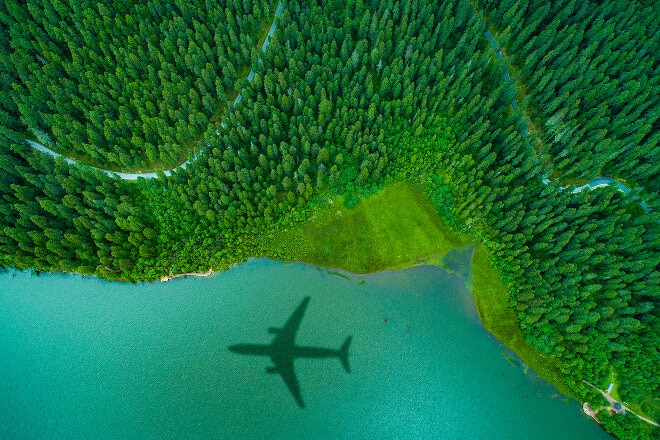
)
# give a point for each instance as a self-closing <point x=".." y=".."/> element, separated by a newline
<point x="152" y="175"/>
<point x="598" y="182"/>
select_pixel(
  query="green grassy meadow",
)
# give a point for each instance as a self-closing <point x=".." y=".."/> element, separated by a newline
<point x="394" y="228"/>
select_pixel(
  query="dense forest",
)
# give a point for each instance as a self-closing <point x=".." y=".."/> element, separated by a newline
<point x="590" y="76"/>
<point x="124" y="86"/>
<point x="349" y="96"/>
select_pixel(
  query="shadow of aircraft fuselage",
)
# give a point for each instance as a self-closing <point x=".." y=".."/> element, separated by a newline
<point x="283" y="350"/>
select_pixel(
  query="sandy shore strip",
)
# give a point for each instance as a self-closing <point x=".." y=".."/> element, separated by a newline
<point x="187" y="274"/>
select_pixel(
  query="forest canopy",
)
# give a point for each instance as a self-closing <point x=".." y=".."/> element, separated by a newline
<point x="348" y="97"/>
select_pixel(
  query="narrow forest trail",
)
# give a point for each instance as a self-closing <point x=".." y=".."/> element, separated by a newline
<point x="598" y="182"/>
<point x="152" y="175"/>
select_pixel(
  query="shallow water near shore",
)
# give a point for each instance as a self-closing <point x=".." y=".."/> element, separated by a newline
<point x="85" y="358"/>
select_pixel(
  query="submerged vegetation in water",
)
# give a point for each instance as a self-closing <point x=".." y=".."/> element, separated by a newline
<point x="350" y="96"/>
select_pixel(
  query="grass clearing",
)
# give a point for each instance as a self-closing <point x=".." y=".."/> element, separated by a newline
<point x="394" y="228"/>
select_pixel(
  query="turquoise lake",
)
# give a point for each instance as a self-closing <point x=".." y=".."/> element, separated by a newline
<point x="83" y="358"/>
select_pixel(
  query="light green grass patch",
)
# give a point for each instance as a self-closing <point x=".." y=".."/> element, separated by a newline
<point x="394" y="228"/>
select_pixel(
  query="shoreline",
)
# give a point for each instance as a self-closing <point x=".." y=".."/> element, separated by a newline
<point x="434" y="260"/>
<point x="166" y="278"/>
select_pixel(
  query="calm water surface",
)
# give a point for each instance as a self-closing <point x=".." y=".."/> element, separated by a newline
<point x="82" y="358"/>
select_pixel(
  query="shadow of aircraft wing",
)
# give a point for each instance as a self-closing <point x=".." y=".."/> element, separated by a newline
<point x="285" y="336"/>
<point x="285" y="369"/>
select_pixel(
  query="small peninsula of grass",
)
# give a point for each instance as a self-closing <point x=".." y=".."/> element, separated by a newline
<point x="492" y="300"/>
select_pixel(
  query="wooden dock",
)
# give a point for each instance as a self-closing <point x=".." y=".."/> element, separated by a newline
<point x="590" y="412"/>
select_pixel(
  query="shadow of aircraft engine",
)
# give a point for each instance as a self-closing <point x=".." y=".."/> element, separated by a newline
<point x="283" y="351"/>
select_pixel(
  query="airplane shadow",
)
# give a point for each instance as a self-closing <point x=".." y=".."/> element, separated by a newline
<point x="283" y="351"/>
